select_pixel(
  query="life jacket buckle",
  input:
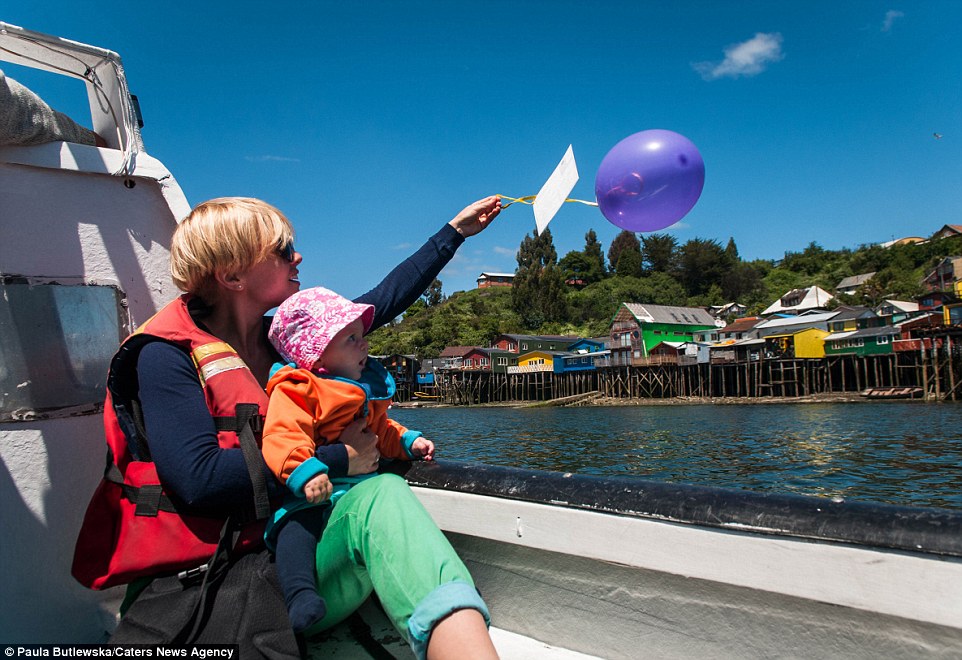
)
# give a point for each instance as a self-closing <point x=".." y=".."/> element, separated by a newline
<point x="193" y="575"/>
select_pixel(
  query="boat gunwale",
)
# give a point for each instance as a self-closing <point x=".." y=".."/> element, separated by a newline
<point x="917" y="530"/>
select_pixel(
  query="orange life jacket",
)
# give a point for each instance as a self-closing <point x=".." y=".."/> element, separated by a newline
<point x="131" y="528"/>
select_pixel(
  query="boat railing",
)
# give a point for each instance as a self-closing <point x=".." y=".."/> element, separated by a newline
<point x="903" y="528"/>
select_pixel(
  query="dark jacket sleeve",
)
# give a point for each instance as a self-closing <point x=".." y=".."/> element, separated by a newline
<point x="183" y="440"/>
<point x="411" y="278"/>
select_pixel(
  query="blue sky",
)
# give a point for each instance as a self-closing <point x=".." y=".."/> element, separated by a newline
<point x="371" y="124"/>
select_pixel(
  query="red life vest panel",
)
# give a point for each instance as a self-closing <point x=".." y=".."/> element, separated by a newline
<point x="131" y="528"/>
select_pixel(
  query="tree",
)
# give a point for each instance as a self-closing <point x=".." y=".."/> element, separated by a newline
<point x="433" y="296"/>
<point x="538" y="292"/>
<point x="809" y="261"/>
<point x="595" y="305"/>
<point x="624" y="240"/>
<point x="702" y="262"/>
<point x="575" y="266"/>
<point x="588" y="266"/>
<point x="732" y="250"/>
<point x="741" y="281"/>
<point x="595" y="257"/>
<point x="629" y="263"/>
<point x="660" y="253"/>
<point x="416" y="308"/>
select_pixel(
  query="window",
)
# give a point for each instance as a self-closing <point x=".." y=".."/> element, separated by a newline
<point x="56" y="342"/>
<point x="882" y="339"/>
<point x="502" y="361"/>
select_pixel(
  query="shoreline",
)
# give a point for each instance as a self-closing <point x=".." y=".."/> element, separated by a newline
<point x="586" y="401"/>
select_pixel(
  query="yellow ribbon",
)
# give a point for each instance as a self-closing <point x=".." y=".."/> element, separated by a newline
<point x="529" y="200"/>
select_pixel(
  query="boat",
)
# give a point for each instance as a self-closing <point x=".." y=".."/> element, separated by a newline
<point x="572" y="566"/>
<point x="892" y="392"/>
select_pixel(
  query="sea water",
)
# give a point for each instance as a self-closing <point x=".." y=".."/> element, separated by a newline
<point x="894" y="452"/>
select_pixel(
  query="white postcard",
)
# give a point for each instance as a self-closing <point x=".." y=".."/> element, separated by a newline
<point x="555" y="190"/>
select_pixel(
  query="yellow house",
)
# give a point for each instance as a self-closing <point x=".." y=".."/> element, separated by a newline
<point x="534" y="361"/>
<point x="807" y="343"/>
<point x="953" y="314"/>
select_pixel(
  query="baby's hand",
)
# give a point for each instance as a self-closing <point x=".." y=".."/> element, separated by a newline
<point x="423" y="448"/>
<point x="318" y="489"/>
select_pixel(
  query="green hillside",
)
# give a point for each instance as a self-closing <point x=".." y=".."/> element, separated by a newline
<point x="653" y="269"/>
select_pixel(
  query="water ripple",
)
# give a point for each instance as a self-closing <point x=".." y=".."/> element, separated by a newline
<point x="896" y="452"/>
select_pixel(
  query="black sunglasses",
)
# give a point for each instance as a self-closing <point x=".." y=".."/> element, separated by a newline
<point x="286" y="251"/>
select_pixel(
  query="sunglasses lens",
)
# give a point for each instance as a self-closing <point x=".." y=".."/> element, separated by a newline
<point x="287" y="251"/>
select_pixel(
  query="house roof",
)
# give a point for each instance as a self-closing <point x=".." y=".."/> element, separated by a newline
<point x="670" y="315"/>
<point x="809" y="319"/>
<point x="949" y="230"/>
<point x="568" y="338"/>
<point x="865" y="332"/>
<point x="480" y="349"/>
<point x="838" y="335"/>
<point x="901" y="305"/>
<point x="457" y="351"/>
<point x="429" y="364"/>
<point x="855" y="280"/>
<point x="906" y="240"/>
<point x="727" y="308"/>
<point x="489" y="274"/>
<point x="792" y="332"/>
<point x="746" y="342"/>
<point x="742" y="325"/>
<point x="592" y="340"/>
<point x="942" y="269"/>
<point x="811" y="298"/>
<point x="673" y="344"/>
<point x="569" y="354"/>
<point x="539" y="351"/>
<point x="927" y="320"/>
<point x="856" y="312"/>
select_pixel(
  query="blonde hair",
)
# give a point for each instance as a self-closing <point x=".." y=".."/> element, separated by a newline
<point x="224" y="235"/>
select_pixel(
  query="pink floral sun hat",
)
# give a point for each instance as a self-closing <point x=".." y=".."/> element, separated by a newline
<point x="306" y="323"/>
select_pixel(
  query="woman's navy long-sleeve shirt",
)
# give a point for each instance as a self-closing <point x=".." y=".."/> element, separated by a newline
<point x="180" y="429"/>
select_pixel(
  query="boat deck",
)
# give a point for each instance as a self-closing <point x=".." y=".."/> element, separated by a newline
<point x="343" y="643"/>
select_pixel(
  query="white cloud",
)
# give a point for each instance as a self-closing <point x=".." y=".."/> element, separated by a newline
<point x="403" y="246"/>
<point x="890" y="17"/>
<point x="748" y="58"/>
<point x="271" y="159"/>
<point x="507" y="252"/>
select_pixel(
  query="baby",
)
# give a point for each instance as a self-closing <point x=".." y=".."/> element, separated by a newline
<point x="330" y="383"/>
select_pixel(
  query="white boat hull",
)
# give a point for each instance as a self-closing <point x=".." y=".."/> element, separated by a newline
<point x="625" y="583"/>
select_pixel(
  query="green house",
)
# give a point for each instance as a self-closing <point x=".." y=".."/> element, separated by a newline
<point x="867" y="341"/>
<point x="637" y="328"/>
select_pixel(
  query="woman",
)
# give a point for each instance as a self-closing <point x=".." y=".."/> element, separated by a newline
<point x="178" y="386"/>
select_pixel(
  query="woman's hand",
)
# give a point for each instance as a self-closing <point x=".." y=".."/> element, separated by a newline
<point x="474" y="218"/>
<point x="361" y="443"/>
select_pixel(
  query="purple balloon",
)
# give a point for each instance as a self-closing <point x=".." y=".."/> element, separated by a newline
<point x="649" y="180"/>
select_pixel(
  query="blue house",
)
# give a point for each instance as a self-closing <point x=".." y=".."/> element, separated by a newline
<point x="588" y="345"/>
